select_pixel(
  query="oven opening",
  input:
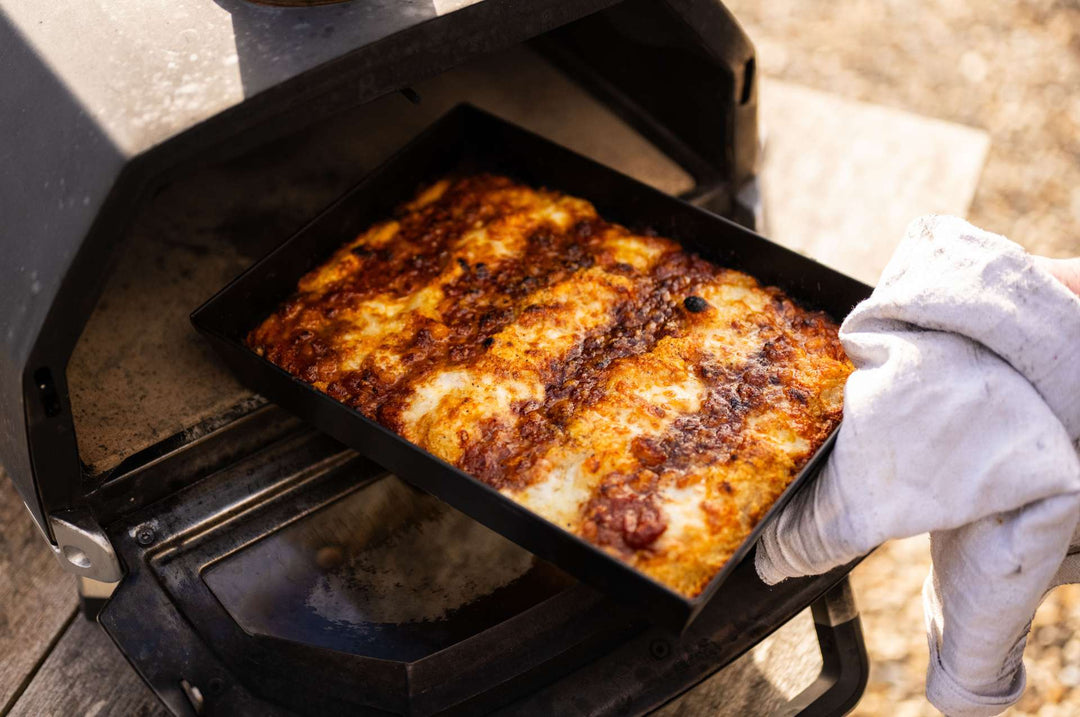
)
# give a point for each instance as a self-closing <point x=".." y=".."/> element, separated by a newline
<point x="142" y="383"/>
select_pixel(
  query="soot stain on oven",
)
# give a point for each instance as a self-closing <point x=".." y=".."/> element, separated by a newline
<point x="650" y="401"/>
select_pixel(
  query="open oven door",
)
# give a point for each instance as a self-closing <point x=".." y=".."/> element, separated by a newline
<point x="300" y="578"/>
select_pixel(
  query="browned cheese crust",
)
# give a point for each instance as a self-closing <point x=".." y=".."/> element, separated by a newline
<point x="631" y="392"/>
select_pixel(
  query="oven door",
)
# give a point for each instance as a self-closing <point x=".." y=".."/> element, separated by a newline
<point x="301" y="578"/>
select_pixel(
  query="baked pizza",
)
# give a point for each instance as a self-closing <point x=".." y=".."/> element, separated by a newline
<point x="627" y="390"/>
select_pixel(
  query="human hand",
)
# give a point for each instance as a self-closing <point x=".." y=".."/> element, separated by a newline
<point x="960" y="421"/>
<point x="1067" y="271"/>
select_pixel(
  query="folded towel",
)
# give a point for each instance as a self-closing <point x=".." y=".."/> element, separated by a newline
<point x="961" y="420"/>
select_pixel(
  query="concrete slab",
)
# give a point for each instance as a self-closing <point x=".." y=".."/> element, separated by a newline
<point x="842" y="179"/>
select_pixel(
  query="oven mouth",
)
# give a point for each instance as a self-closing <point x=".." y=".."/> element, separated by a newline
<point x="141" y="384"/>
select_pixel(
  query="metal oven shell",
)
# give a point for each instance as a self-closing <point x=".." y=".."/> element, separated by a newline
<point x="95" y="153"/>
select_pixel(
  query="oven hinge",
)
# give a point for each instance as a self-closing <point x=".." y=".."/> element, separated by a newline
<point x="82" y="548"/>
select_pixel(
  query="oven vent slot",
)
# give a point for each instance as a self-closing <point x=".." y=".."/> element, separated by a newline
<point x="50" y="401"/>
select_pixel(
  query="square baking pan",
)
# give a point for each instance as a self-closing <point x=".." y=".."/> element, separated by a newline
<point x="470" y="140"/>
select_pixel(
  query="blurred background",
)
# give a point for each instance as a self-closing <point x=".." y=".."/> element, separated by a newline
<point x="1009" y="68"/>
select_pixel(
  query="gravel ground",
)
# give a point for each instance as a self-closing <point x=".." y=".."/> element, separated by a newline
<point x="1013" y="69"/>
<point x="888" y="586"/>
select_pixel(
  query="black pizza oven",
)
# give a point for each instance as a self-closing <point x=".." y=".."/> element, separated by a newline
<point x="243" y="561"/>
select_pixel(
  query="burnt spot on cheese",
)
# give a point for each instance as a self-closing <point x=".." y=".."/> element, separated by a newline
<point x="695" y="304"/>
<point x="648" y="400"/>
<point x="797" y="394"/>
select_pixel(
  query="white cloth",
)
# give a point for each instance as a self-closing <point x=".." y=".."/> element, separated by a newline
<point x="960" y="420"/>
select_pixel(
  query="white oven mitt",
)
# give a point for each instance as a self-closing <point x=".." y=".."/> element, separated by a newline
<point x="961" y="421"/>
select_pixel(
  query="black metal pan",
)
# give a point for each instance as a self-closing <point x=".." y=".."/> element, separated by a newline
<point x="476" y="141"/>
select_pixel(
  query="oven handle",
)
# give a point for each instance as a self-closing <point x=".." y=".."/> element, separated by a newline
<point x="845" y="667"/>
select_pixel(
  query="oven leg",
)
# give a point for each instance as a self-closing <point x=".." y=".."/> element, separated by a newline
<point x="845" y="667"/>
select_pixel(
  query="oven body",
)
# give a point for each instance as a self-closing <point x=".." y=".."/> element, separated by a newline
<point x="164" y="147"/>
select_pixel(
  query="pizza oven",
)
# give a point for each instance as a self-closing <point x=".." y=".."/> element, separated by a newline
<point x="241" y="560"/>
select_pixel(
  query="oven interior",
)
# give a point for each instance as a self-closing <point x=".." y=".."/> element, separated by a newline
<point x="139" y="375"/>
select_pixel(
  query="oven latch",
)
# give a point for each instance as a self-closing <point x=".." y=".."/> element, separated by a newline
<point x="82" y="548"/>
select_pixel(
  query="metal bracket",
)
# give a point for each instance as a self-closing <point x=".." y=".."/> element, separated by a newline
<point x="845" y="667"/>
<point x="82" y="548"/>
